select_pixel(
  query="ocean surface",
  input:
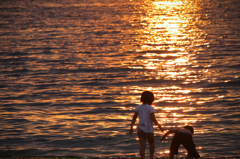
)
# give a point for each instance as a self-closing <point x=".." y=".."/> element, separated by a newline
<point x="72" y="72"/>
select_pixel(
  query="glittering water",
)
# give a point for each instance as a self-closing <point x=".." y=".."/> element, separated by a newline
<point x="72" y="72"/>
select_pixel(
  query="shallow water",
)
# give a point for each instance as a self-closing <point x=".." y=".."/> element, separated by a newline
<point x="72" y="72"/>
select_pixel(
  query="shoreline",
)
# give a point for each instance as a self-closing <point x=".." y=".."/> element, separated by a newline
<point x="73" y="157"/>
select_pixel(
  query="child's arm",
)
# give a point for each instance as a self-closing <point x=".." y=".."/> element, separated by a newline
<point x="156" y="122"/>
<point x="133" y="122"/>
<point x="168" y="132"/>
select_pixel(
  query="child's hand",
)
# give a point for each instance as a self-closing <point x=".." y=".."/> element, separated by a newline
<point x="131" y="131"/>
<point x="162" y="138"/>
<point x="162" y="129"/>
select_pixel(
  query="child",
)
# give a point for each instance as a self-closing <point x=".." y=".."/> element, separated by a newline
<point x="182" y="136"/>
<point x="145" y="112"/>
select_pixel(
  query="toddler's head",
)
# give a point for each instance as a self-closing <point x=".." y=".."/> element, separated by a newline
<point x="189" y="128"/>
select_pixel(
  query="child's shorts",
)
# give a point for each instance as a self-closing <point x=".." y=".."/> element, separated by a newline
<point x="149" y="136"/>
<point x="187" y="141"/>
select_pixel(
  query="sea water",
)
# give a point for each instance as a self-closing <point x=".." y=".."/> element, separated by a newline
<point x="72" y="72"/>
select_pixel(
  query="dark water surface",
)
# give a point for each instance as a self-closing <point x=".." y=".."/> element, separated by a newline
<point x="72" y="71"/>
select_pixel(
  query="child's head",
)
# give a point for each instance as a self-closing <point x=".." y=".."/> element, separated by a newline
<point x="147" y="97"/>
<point x="189" y="128"/>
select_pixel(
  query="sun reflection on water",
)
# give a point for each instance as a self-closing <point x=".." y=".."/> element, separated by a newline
<point x="168" y="60"/>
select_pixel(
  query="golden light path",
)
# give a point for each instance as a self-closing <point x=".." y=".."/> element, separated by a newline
<point x="166" y="39"/>
<point x="169" y="34"/>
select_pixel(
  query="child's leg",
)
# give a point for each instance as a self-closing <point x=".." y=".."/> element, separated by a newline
<point x="191" y="148"/>
<point x="151" y="145"/>
<point x="175" y="145"/>
<point x="142" y="141"/>
<point x="152" y="148"/>
<point x="171" y="156"/>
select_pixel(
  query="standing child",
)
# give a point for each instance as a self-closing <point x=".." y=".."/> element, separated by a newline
<point x="182" y="136"/>
<point x="145" y="112"/>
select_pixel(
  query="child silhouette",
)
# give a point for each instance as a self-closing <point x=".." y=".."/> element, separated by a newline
<point x="182" y="136"/>
<point x="146" y="115"/>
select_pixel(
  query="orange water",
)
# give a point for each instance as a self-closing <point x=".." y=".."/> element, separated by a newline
<point x="73" y="71"/>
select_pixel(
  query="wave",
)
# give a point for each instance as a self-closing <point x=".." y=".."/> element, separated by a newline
<point x="109" y="157"/>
